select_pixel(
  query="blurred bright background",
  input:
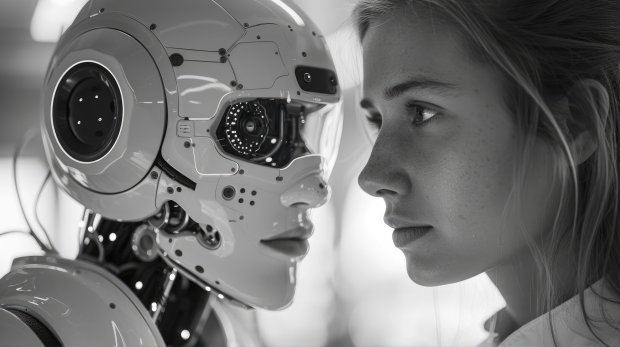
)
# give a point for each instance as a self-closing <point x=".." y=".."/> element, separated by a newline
<point x="353" y="289"/>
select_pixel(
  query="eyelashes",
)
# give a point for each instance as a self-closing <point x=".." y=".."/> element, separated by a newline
<point x="418" y="115"/>
<point x="374" y="121"/>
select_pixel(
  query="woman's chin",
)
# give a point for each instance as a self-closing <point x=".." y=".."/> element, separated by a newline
<point x="429" y="275"/>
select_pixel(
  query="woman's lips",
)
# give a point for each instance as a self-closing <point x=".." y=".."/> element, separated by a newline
<point x="405" y="236"/>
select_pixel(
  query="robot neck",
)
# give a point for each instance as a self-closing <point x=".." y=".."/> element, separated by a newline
<point x="178" y="306"/>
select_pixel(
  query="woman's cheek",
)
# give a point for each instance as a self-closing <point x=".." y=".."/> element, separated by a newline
<point x="476" y="185"/>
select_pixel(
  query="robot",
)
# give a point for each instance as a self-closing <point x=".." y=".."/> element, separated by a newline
<point x="198" y="134"/>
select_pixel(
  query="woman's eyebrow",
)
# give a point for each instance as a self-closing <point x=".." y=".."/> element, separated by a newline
<point x="419" y="83"/>
<point x="394" y="91"/>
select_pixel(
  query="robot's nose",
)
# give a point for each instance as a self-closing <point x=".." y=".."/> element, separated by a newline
<point x="311" y="191"/>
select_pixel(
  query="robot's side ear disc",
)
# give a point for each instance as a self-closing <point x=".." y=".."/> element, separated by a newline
<point x="87" y="112"/>
<point x="104" y="116"/>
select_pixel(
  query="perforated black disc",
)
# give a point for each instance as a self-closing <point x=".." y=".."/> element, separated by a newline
<point x="87" y="112"/>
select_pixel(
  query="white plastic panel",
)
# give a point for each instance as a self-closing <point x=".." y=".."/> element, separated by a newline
<point x="209" y="161"/>
<point x="201" y="87"/>
<point x="257" y="64"/>
<point x="255" y="12"/>
<point x="206" y="27"/>
<point x="143" y="117"/>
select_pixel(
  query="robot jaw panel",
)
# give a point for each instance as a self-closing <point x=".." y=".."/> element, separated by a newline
<point x="252" y="231"/>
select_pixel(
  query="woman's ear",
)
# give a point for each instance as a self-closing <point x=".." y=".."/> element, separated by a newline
<point x="587" y="104"/>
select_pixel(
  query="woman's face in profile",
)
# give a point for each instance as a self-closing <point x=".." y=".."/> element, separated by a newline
<point x="444" y="152"/>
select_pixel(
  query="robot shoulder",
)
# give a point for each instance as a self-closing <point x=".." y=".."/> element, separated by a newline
<point x="17" y="329"/>
<point x="61" y="302"/>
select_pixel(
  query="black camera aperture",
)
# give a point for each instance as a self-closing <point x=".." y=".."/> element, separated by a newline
<point x="263" y="131"/>
<point x="316" y="80"/>
<point x="87" y="112"/>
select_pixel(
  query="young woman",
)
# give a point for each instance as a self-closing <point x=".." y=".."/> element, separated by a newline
<point x="497" y="129"/>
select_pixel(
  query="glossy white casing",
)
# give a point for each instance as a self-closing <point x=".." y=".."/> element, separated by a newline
<point x="165" y="107"/>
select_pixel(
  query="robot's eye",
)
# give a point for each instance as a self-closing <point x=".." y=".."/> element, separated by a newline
<point x="246" y="127"/>
<point x="264" y="131"/>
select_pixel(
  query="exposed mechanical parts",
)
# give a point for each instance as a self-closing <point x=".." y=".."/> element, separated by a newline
<point x="175" y="302"/>
<point x="264" y="131"/>
<point x="173" y="220"/>
<point x="246" y="127"/>
<point x="209" y="237"/>
<point x="144" y="243"/>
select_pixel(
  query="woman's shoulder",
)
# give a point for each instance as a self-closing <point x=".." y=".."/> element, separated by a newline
<point x="602" y="306"/>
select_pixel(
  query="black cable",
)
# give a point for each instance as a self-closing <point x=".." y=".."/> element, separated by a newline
<point x="100" y="250"/>
<point x="36" y="213"/>
<point x="18" y="150"/>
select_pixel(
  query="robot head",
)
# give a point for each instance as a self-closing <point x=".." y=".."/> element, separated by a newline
<point x="218" y="121"/>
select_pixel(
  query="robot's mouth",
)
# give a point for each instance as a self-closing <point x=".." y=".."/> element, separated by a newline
<point x="303" y="232"/>
<point x="291" y="248"/>
<point x="291" y="243"/>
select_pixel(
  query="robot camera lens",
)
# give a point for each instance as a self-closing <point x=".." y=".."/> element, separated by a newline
<point x="246" y="127"/>
<point x="267" y="132"/>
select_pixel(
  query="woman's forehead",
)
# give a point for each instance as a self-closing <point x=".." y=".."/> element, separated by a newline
<point x="408" y="43"/>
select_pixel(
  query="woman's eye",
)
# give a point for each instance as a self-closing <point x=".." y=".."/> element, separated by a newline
<point x="374" y="121"/>
<point x="373" y="125"/>
<point x="421" y="114"/>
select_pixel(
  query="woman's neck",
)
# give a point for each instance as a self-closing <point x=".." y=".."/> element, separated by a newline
<point x="518" y="281"/>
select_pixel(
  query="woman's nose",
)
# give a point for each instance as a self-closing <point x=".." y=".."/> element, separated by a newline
<point x="368" y="179"/>
<point x="311" y="191"/>
<point x="381" y="177"/>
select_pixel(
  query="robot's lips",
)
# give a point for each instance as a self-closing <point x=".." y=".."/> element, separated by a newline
<point x="293" y="248"/>
<point x="292" y="243"/>
<point x="302" y="232"/>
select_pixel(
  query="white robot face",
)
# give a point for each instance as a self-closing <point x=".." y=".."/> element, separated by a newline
<point x="218" y="121"/>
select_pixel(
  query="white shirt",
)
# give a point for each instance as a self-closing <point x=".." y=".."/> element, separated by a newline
<point x="569" y="325"/>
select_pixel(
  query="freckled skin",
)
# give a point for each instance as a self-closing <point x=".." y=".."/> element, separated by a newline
<point x="454" y="173"/>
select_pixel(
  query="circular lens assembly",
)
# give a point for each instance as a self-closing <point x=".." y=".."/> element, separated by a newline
<point x="246" y="127"/>
<point x="87" y="112"/>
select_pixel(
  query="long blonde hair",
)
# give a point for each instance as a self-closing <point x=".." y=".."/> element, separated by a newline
<point x="544" y="47"/>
